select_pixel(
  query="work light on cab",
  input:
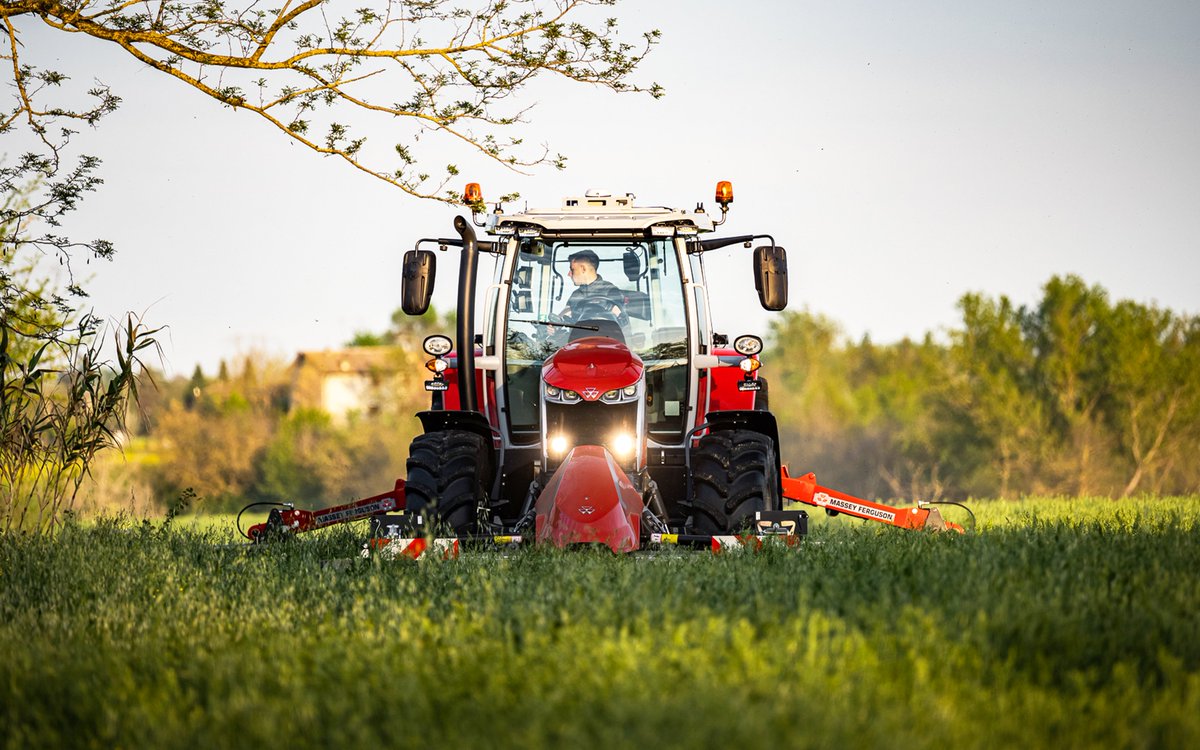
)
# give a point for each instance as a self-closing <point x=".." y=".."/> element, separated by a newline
<point x="747" y="346"/>
<point x="437" y="345"/>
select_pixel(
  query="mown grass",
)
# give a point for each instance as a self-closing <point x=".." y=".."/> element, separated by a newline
<point x="1066" y="623"/>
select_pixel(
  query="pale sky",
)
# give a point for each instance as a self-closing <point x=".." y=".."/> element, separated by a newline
<point x="903" y="153"/>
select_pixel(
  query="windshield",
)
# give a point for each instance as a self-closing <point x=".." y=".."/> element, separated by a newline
<point x="631" y="291"/>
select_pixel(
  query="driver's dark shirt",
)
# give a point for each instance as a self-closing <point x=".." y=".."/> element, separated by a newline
<point x="599" y="289"/>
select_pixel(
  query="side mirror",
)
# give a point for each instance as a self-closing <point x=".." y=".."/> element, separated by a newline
<point x="633" y="265"/>
<point x="523" y="277"/>
<point x="770" y="277"/>
<point x="420" y="270"/>
<point x="522" y="301"/>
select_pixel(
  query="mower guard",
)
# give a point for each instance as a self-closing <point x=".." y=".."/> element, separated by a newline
<point x="589" y="500"/>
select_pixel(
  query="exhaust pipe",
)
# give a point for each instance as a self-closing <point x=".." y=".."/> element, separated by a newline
<point x="466" y="315"/>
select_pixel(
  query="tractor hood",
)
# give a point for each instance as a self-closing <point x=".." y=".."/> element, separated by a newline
<point x="590" y="500"/>
<point x="592" y="366"/>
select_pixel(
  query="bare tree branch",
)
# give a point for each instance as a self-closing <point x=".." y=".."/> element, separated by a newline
<point x="318" y="65"/>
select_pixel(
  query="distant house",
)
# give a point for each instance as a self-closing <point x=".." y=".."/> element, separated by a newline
<point x="360" y="380"/>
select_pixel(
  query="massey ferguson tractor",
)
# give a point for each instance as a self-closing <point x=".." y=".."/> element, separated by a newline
<point x="590" y="401"/>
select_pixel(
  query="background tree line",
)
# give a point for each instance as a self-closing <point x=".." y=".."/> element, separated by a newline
<point x="1075" y="395"/>
<point x="215" y="441"/>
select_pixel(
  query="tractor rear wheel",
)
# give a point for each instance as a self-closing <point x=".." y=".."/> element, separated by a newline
<point x="445" y="479"/>
<point x="732" y="478"/>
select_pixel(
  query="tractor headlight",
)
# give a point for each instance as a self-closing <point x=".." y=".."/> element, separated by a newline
<point x="559" y="445"/>
<point x="622" y="445"/>
<point x="612" y="396"/>
<point x="620" y="395"/>
<point x="561" y="395"/>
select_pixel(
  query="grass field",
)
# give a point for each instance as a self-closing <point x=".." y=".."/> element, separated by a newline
<point x="1059" y="623"/>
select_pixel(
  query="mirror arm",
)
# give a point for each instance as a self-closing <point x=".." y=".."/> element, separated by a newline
<point x="483" y="246"/>
<point x="442" y="243"/>
<point x="719" y="242"/>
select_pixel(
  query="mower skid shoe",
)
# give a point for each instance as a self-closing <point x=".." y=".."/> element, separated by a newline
<point x="447" y="548"/>
<point x="723" y="542"/>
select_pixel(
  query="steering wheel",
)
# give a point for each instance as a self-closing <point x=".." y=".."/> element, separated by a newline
<point x="599" y="307"/>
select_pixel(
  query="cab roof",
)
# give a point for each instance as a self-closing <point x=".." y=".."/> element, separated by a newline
<point x="602" y="215"/>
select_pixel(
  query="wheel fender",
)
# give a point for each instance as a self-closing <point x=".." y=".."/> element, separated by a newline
<point x="468" y="421"/>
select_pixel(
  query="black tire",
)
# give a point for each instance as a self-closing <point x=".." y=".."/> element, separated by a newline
<point x="732" y="478"/>
<point x="445" y="479"/>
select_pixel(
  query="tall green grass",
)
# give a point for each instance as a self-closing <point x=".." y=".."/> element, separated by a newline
<point x="1067" y="623"/>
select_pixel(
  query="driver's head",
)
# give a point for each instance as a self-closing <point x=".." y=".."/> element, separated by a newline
<point x="583" y="267"/>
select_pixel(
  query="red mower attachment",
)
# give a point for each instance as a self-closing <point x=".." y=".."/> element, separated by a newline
<point x="806" y="490"/>
<point x="786" y="527"/>
<point x="286" y="520"/>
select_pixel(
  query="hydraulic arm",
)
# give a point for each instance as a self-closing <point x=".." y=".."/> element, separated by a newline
<point x="806" y="490"/>
<point x="289" y="520"/>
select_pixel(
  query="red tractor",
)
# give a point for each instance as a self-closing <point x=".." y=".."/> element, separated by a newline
<point x="597" y="405"/>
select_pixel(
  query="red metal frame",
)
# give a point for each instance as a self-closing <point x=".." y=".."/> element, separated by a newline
<point x="723" y="385"/>
<point x="805" y="490"/>
<point x="294" y="520"/>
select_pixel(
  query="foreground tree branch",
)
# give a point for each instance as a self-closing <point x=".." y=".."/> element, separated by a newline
<point x="311" y="68"/>
<point x="452" y="67"/>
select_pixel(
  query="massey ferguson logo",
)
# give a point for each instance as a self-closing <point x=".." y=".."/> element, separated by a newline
<point x="825" y="501"/>
<point x="587" y="510"/>
<point x="590" y="393"/>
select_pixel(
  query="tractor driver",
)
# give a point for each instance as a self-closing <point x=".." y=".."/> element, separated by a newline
<point x="592" y="294"/>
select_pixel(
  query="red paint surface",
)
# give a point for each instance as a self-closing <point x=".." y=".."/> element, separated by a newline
<point x="589" y="500"/>
<point x="595" y="362"/>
